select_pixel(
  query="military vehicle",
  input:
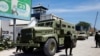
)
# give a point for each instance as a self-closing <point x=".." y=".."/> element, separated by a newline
<point x="82" y="35"/>
<point x="47" y="35"/>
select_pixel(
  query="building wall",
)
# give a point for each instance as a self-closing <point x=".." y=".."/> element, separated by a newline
<point x="0" y="29"/>
<point x="7" y="29"/>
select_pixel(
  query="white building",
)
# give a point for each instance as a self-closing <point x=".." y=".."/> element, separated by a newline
<point x="6" y="27"/>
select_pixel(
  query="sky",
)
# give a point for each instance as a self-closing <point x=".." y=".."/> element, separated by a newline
<point x="73" y="11"/>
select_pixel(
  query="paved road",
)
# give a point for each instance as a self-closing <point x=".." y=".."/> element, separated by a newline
<point x="84" y="48"/>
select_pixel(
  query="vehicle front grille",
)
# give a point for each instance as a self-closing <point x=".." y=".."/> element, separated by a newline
<point x="26" y="35"/>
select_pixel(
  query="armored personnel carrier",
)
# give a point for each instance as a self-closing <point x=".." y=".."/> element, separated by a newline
<point x="48" y="35"/>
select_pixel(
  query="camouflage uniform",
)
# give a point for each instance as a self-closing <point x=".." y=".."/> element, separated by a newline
<point x="18" y="47"/>
<point x="68" y="43"/>
<point x="97" y="39"/>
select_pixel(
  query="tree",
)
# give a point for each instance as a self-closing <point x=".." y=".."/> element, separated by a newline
<point x="83" y="25"/>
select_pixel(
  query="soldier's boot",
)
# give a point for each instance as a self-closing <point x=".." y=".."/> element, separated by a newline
<point x="70" y="52"/>
<point x="66" y="51"/>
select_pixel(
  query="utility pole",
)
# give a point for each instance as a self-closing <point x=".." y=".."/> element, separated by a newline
<point x="14" y="30"/>
<point x="95" y="21"/>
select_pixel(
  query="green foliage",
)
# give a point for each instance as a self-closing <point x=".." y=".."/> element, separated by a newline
<point x="1" y="48"/>
<point x="85" y="25"/>
<point x="6" y="43"/>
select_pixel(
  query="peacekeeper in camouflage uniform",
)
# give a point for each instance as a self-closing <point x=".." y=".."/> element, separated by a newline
<point x="69" y="43"/>
<point x="18" y="47"/>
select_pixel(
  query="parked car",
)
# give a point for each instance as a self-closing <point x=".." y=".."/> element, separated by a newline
<point x="91" y="33"/>
<point x="82" y="35"/>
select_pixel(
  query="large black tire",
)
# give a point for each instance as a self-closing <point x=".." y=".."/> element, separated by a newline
<point x="50" y="47"/>
<point x="87" y="37"/>
<point x="30" y="50"/>
<point x="24" y="49"/>
<point x="27" y="50"/>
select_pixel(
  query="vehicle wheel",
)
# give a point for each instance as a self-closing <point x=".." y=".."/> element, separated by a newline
<point x="27" y="50"/>
<point x="84" y="38"/>
<point x="30" y="50"/>
<point x="87" y="37"/>
<point x="24" y="49"/>
<point x="50" y="47"/>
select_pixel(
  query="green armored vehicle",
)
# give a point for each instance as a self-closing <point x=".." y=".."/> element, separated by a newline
<point x="47" y="35"/>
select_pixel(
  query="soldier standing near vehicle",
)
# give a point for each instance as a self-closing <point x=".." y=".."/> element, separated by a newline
<point x="68" y="43"/>
<point x="18" y="47"/>
<point x="97" y="37"/>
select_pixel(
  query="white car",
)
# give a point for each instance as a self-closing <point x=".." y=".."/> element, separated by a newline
<point x="82" y="35"/>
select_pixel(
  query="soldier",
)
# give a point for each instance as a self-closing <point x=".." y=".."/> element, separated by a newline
<point x="97" y="37"/>
<point x="68" y="43"/>
<point x="18" y="47"/>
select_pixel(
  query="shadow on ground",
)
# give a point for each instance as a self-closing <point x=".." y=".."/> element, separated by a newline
<point x="62" y="55"/>
<point x="35" y="53"/>
<point x="95" y="47"/>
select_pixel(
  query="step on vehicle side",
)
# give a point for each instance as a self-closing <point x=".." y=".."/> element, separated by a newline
<point x="47" y="35"/>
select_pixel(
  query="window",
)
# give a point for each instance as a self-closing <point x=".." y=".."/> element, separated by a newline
<point x="73" y="27"/>
<point x="69" y="26"/>
<point x="63" y="25"/>
<point x="40" y="24"/>
<point x="48" y="24"/>
<point x="58" y="25"/>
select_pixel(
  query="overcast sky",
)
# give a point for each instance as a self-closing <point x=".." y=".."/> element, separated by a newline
<point x="73" y="11"/>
